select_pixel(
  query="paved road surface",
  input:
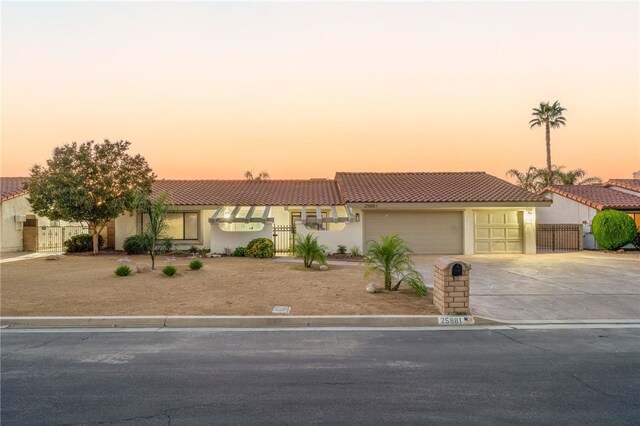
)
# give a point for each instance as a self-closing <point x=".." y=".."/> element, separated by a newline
<point x="580" y="377"/>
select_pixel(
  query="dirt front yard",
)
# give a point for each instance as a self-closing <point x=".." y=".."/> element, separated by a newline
<point x="86" y="285"/>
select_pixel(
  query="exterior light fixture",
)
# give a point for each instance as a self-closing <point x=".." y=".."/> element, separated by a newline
<point x="528" y="217"/>
<point x="357" y="217"/>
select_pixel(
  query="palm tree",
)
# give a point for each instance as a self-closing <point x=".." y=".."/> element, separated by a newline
<point x="309" y="249"/>
<point x="390" y="256"/>
<point x="263" y="175"/>
<point x="529" y="180"/>
<point x="551" y="116"/>
<point x="576" y="177"/>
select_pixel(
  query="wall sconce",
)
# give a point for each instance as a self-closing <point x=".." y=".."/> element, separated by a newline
<point x="529" y="217"/>
<point x="357" y="217"/>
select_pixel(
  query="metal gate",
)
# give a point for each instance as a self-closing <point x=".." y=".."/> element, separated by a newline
<point x="558" y="237"/>
<point x="52" y="238"/>
<point x="284" y="238"/>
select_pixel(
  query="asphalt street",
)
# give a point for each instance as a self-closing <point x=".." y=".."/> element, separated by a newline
<point x="191" y="377"/>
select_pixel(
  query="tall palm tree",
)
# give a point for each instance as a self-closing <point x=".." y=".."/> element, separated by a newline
<point x="551" y="116"/>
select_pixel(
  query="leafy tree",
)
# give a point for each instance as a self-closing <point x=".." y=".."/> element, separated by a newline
<point x="263" y="175"/>
<point x="156" y="210"/>
<point x="390" y="256"/>
<point x="551" y="117"/>
<point x="89" y="182"/>
<point x="529" y="180"/>
<point x="310" y="250"/>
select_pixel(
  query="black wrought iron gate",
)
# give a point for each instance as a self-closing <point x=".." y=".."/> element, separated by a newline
<point x="558" y="237"/>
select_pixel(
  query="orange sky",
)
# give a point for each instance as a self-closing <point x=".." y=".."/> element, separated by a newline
<point x="209" y="90"/>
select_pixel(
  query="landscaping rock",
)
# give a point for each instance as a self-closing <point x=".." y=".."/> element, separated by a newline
<point x="213" y="255"/>
<point x="324" y="268"/>
<point x="372" y="288"/>
<point x="52" y="257"/>
<point x="142" y="267"/>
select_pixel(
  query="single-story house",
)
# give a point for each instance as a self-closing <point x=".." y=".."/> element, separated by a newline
<point x="436" y="213"/>
<point x="578" y="204"/>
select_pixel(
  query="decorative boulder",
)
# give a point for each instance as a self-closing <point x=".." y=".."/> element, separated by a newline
<point x="142" y="267"/>
<point x="372" y="288"/>
<point x="53" y="257"/>
<point x="324" y="268"/>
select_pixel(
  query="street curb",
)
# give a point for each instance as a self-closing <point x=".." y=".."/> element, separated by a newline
<point x="226" y="321"/>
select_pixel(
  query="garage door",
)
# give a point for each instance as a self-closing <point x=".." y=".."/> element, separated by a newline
<point x="498" y="232"/>
<point x="424" y="232"/>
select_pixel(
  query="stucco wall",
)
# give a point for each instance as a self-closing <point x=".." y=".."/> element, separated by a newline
<point x="564" y="210"/>
<point x="223" y="239"/>
<point x="10" y="230"/>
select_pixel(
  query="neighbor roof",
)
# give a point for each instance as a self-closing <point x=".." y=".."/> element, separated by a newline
<point x="631" y="184"/>
<point x="11" y="187"/>
<point x="597" y="196"/>
<point x="247" y="193"/>
<point x="461" y="187"/>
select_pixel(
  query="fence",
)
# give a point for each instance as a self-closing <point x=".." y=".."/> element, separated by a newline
<point x="558" y="237"/>
<point x="51" y="238"/>
<point x="284" y="238"/>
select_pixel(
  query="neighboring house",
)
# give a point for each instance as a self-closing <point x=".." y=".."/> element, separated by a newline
<point x="436" y="213"/>
<point x="578" y="204"/>
<point x="15" y="208"/>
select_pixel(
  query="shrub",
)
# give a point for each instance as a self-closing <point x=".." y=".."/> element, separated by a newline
<point x="123" y="270"/>
<point x="136" y="244"/>
<point x="310" y="250"/>
<point x="354" y="251"/>
<point x="239" y="251"/>
<point x="82" y="243"/>
<point x="636" y="241"/>
<point x="204" y="251"/>
<point x="260" y="247"/>
<point x="227" y="251"/>
<point x="342" y="249"/>
<point x="165" y="246"/>
<point x="169" y="270"/>
<point x="613" y="229"/>
<point x="193" y="250"/>
<point x="195" y="264"/>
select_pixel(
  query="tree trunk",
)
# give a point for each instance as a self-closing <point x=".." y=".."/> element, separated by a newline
<point x="548" y="139"/>
<point x="395" y="288"/>
<point x="153" y="259"/>
<point x="387" y="282"/>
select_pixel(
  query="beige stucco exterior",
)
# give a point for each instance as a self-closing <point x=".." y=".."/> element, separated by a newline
<point x="11" y="230"/>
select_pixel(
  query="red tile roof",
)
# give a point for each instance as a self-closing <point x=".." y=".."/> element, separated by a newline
<point x="11" y="187"/>
<point x="462" y="187"/>
<point x="631" y="184"/>
<point x="597" y="196"/>
<point x="247" y="193"/>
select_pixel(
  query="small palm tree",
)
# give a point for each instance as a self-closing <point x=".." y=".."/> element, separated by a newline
<point x="576" y="177"/>
<point x="529" y="180"/>
<point x="551" y="117"/>
<point x="390" y="256"/>
<point x="263" y="175"/>
<point x="310" y="250"/>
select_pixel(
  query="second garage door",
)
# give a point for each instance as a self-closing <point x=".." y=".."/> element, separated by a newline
<point x="424" y="232"/>
<point x="498" y="232"/>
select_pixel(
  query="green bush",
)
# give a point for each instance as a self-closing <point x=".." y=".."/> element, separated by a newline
<point x="260" y="247"/>
<point x="309" y="249"/>
<point x="613" y="229"/>
<point x="195" y="264"/>
<point x="342" y="249"/>
<point x="169" y="270"/>
<point x="193" y="250"/>
<point x="82" y="243"/>
<point x="165" y="246"/>
<point x="123" y="270"/>
<point x="355" y="251"/>
<point x="239" y="251"/>
<point x="136" y="244"/>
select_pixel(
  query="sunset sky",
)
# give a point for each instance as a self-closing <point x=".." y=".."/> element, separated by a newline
<point x="302" y="90"/>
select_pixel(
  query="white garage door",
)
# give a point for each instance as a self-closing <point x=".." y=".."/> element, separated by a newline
<point x="424" y="232"/>
<point x="498" y="232"/>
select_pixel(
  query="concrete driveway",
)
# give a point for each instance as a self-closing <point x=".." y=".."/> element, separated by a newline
<point x="559" y="286"/>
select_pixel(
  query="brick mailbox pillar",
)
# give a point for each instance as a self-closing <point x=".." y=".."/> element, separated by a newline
<point x="451" y="286"/>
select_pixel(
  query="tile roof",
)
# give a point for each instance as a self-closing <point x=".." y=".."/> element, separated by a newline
<point x="460" y="187"/>
<point x="597" y="196"/>
<point x="631" y="184"/>
<point x="246" y="193"/>
<point x="11" y="187"/>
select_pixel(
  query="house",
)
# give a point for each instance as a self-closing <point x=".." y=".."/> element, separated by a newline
<point x="578" y="204"/>
<point x="14" y="207"/>
<point x="435" y="213"/>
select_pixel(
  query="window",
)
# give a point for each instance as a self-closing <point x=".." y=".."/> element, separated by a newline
<point x="313" y="225"/>
<point x="180" y="226"/>
<point x="636" y="218"/>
